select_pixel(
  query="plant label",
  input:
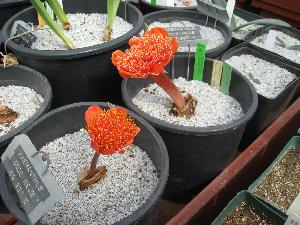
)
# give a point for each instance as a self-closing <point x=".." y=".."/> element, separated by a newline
<point x="153" y="2"/>
<point x="295" y="207"/>
<point x="216" y="74"/>
<point x="292" y="220"/>
<point x="229" y="9"/>
<point x="49" y="10"/>
<point x="25" y="40"/>
<point x="226" y="78"/>
<point x="186" y="35"/>
<point x="208" y="8"/>
<point x="270" y="41"/>
<point x="199" y="61"/>
<point x="36" y="188"/>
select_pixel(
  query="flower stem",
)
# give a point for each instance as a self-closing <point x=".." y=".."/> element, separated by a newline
<point x="93" y="166"/>
<point x="170" y="88"/>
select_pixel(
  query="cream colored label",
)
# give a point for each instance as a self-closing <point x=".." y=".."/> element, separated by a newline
<point x="216" y="74"/>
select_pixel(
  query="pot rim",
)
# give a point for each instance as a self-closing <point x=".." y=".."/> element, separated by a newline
<point x="143" y="209"/>
<point x="43" y="108"/>
<point x="76" y="53"/>
<point x="195" y="131"/>
<point x="9" y="3"/>
<point x="186" y="14"/>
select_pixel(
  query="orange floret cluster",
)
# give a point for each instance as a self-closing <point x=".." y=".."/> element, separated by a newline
<point x="147" y="55"/>
<point x="110" y="130"/>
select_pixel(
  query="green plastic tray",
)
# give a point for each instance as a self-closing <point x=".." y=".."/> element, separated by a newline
<point x="245" y="196"/>
<point x="293" y="143"/>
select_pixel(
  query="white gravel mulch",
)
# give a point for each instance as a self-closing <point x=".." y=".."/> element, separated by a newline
<point x="22" y="100"/>
<point x="212" y="37"/>
<point x="130" y="180"/>
<point x="268" y="79"/>
<point x="293" y="55"/>
<point x="213" y="108"/>
<point x="87" y="30"/>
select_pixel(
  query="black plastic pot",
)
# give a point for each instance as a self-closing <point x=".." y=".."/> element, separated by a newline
<point x="268" y="109"/>
<point x="194" y="17"/>
<point x="70" y="118"/>
<point x="197" y="154"/>
<point x="84" y="74"/>
<point x="24" y="76"/>
<point x="263" y="30"/>
<point x="8" y="8"/>
<point x="146" y="7"/>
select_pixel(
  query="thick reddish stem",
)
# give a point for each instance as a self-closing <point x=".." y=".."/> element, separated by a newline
<point x="93" y="166"/>
<point x="170" y="88"/>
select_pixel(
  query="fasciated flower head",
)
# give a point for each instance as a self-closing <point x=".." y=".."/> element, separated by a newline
<point x="110" y="130"/>
<point x="147" y="55"/>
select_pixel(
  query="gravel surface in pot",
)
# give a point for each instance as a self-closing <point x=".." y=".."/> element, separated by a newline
<point x="212" y="37"/>
<point x="293" y="55"/>
<point x="177" y="3"/>
<point x="213" y="108"/>
<point x="268" y="79"/>
<point x="130" y="180"/>
<point x="22" y="100"/>
<point x="87" y="30"/>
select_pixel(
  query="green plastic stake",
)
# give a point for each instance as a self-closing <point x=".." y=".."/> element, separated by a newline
<point x="153" y="2"/>
<point x="226" y="78"/>
<point x="199" y="61"/>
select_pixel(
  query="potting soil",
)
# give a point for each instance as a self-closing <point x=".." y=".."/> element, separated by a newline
<point x="244" y="214"/>
<point x="282" y="185"/>
<point x="130" y="180"/>
<point x="22" y="100"/>
<point x="87" y="30"/>
<point x="213" y="108"/>
<point x="291" y="54"/>
<point x="268" y="79"/>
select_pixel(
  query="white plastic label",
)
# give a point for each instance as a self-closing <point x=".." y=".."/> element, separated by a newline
<point x="170" y="3"/>
<point x="229" y="8"/>
<point x="292" y="220"/>
<point x="36" y="188"/>
<point x="295" y="207"/>
<point x="271" y="39"/>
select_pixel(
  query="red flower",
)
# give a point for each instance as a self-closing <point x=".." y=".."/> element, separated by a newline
<point x="110" y="130"/>
<point x="148" y="55"/>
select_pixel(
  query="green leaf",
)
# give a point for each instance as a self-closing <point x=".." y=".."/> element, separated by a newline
<point x="263" y="22"/>
<point x="281" y="43"/>
<point x="294" y="47"/>
<point x="112" y="8"/>
<point x="250" y="75"/>
<point x="39" y="6"/>
<point x="59" y="12"/>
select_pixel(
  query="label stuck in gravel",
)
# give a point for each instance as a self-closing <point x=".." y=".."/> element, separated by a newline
<point x="22" y="100"/>
<point x="213" y="108"/>
<point x="212" y="38"/>
<point x="268" y="79"/>
<point x="87" y="30"/>
<point x="130" y="180"/>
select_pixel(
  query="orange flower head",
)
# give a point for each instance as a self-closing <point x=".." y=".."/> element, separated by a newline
<point x="147" y="55"/>
<point x="110" y="130"/>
